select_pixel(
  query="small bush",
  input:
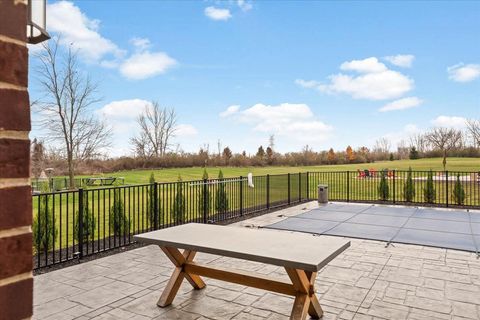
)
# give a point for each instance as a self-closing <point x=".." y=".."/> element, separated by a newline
<point x="204" y="196"/>
<point x="413" y="154"/>
<point x="429" y="194"/>
<point x="151" y="201"/>
<point x="43" y="229"/>
<point x="88" y="223"/>
<point x="409" y="187"/>
<point x="119" y="221"/>
<point x="383" y="189"/>
<point x="221" y="199"/>
<point x="178" y="208"/>
<point x="458" y="192"/>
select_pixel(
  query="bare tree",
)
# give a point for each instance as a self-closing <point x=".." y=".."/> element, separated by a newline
<point x="157" y="128"/>
<point x="473" y="127"/>
<point x="66" y="113"/>
<point x="271" y="142"/>
<point x="382" y="148"/>
<point x="37" y="157"/>
<point x="419" y="142"/>
<point x="444" y="139"/>
<point x="383" y="145"/>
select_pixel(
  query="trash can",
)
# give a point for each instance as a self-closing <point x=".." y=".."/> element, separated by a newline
<point x="322" y="193"/>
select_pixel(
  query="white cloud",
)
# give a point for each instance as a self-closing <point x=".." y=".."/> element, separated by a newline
<point x="244" y="5"/>
<point x="401" y="60"/>
<point x="124" y="110"/>
<point x="369" y="65"/>
<point x="375" y="81"/>
<point x="401" y="104"/>
<point x="141" y="44"/>
<point x="464" y="73"/>
<point x="185" y="130"/>
<point x="217" y="13"/>
<point x="450" y="122"/>
<point x="146" y="64"/>
<point x="295" y="121"/>
<point x="307" y="84"/>
<point x="230" y="111"/>
<point x="77" y="30"/>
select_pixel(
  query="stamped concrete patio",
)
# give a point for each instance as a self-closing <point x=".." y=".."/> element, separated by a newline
<point x="367" y="281"/>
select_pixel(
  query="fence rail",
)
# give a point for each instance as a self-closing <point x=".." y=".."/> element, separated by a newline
<point x="78" y="223"/>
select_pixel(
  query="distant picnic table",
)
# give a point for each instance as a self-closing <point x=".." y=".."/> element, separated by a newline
<point x="99" y="181"/>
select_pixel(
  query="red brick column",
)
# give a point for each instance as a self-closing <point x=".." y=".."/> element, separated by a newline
<point x="16" y="282"/>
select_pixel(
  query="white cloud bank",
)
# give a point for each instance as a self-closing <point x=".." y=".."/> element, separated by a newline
<point x="372" y="80"/>
<point x="401" y="60"/>
<point x="217" y="14"/>
<point x="78" y="30"/>
<point x="464" y="72"/>
<point x="83" y="33"/>
<point x="401" y="104"/>
<point x="295" y="121"/>
<point x="450" y="122"/>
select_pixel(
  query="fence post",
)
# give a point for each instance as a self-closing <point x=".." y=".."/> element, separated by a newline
<point x="205" y="201"/>
<point x="308" y="186"/>
<point x="446" y="188"/>
<point x="348" y="186"/>
<point x="241" y="195"/>
<point x="155" y="205"/>
<point x="299" y="187"/>
<point x="288" y="186"/>
<point x="268" y="191"/>
<point x="394" y="191"/>
<point x="80" y="222"/>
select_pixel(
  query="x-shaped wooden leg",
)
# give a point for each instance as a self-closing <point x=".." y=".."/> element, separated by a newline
<point x="306" y="301"/>
<point x="179" y="260"/>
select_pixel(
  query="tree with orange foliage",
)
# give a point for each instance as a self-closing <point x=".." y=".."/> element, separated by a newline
<point x="350" y="155"/>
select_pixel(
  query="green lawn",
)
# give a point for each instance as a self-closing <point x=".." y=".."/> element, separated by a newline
<point x="167" y="175"/>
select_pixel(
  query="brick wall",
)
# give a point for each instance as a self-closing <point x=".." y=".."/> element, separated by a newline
<point x="16" y="282"/>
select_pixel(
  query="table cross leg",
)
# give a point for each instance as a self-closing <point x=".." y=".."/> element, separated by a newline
<point x="179" y="260"/>
<point x="306" y="301"/>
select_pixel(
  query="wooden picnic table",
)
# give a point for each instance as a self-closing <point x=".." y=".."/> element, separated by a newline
<point x="301" y="255"/>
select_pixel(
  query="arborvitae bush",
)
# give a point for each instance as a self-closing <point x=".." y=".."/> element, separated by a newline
<point x="429" y="194"/>
<point x="178" y="208"/>
<point x="151" y="200"/>
<point x="409" y="187"/>
<point x="458" y="192"/>
<point x="221" y="199"/>
<point x="43" y="228"/>
<point x="88" y="223"/>
<point x="383" y="190"/>
<point x="119" y="221"/>
<point x="204" y="194"/>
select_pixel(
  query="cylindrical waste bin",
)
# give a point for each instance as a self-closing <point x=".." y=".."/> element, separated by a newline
<point x="322" y="193"/>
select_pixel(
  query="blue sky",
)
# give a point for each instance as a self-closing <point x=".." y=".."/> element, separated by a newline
<point x="326" y="74"/>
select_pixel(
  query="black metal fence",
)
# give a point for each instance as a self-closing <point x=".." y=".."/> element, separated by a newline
<point x="432" y="188"/>
<point x="74" y="224"/>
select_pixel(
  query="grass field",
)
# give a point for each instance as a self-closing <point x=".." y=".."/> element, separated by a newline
<point x="168" y="175"/>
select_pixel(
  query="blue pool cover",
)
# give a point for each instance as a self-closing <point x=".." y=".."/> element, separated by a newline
<point x="450" y="229"/>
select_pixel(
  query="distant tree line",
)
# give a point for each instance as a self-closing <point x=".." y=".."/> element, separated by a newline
<point x="438" y="143"/>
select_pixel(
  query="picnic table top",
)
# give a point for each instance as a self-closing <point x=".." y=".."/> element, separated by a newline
<point x="292" y="250"/>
